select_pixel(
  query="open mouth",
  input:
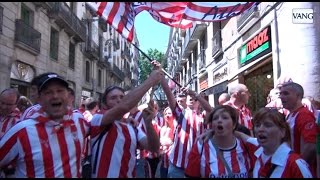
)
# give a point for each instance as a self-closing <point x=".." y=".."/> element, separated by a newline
<point x="56" y="105"/>
<point x="262" y="137"/>
<point x="220" y="127"/>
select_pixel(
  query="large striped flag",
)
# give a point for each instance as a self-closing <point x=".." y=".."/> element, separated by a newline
<point x="121" y="15"/>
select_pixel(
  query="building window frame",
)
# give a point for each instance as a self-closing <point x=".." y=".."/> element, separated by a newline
<point x="54" y="44"/>
<point x="27" y="15"/>
<point x="72" y="55"/>
<point x="87" y="73"/>
<point x="1" y="19"/>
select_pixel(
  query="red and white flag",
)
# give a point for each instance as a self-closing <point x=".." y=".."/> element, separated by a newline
<point x="121" y="15"/>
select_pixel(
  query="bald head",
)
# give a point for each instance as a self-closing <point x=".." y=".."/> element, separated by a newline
<point x="224" y="97"/>
<point x="239" y="94"/>
<point x="8" y="101"/>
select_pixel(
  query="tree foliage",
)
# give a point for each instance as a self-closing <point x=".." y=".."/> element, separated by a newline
<point x="145" y="65"/>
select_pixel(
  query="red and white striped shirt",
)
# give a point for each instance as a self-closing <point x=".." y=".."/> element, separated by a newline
<point x="302" y="127"/>
<point x="287" y="164"/>
<point x="160" y="120"/>
<point x="115" y="155"/>
<point x="245" y="116"/>
<point x="45" y="148"/>
<point x="141" y="124"/>
<point x="6" y="122"/>
<point x="87" y="115"/>
<point x="30" y="111"/>
<point x="204" y="161"/>
<point x="187" y="129"/>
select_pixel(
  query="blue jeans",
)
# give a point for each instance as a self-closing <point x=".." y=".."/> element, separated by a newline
<point x="140" y="164"/>
<point x="175" y="172"/>
<point x="163" y="172"/>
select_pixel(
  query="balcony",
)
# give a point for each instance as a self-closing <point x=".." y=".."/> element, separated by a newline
<point x="92" y="50"/>
<point x="66" y="19"/>
<point x="125" y="54"/>
<point x="244" y="19"/>
<point x="105" y="63"/>
<point x="103" y="24"/>
<point x="46" y="5"/>
<point x="192" y="35"/>
<point x="27" y="37"/>
<point x="116" y="71"/>
<point x="216" y="44"/>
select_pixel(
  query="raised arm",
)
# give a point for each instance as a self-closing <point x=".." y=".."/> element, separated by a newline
<point x="132" y="98"/>
<point x="152" y="141"/>
<point x="203" y="102"/>
<point x="170" y="97"/>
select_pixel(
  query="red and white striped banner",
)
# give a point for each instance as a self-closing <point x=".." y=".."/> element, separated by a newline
<point x="175" y="14"/>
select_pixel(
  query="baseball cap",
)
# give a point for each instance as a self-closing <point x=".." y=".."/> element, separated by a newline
<point x="43" y="81"/>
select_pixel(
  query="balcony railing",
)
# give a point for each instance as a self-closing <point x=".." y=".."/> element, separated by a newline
<point x="247" y="16"/>
<point x="27" y="37"/>
<point x="118" y="72"/>
<point x="65" y="18"/>
<point x="216" y="43"/>
<point x="46" y="5"/>
<point x="92" y="49"/>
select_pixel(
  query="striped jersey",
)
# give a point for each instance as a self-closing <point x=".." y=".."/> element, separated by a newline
<point x="6" y="122"/>
<point x="245" y="116"/>
<point x="113" y="156"/>
<point x="44" y="148"/>
<point x="30" y="111"/>
<point x="189" y="126"/>
<point x="204" y="162"/>
<point x="286" y="164"/>
<point x="302" y="125"/>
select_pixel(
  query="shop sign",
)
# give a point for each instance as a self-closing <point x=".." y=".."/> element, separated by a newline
<point x="86" y="93"/>
<point x="256" y="47"/>
<point x="220" y="74"/>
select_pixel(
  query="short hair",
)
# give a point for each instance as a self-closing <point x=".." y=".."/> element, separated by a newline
<point x="232" y="88"/>
<point x="90" y="103"/>
<point x="296" y="87"/>
<point x="23" y="103"/>
<point x="108" y="90"/>
<point x="277" y="118"/>
<point x="233" y="114"/>
<point x="12" y="91"/>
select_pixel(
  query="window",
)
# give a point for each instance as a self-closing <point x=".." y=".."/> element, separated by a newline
<point x="1" y="18"/>
<point x="99" y="78"/>
<point x="87" y="71"/>
<point x="54" y="44"/>
<point x="71" y="55"/>
<point x="26" y="15"/>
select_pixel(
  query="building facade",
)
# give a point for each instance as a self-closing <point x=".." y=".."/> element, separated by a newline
<point x="66" y="38"/>
<point x="255" y="48"/>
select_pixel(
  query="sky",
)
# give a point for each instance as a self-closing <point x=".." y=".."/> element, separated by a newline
<point x="151" y="33"/>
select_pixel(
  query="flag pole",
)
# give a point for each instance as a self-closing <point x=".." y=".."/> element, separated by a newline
<point x="161" y="69"/>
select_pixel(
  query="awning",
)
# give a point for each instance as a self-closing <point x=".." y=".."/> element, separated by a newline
<point x="217" y="88"/>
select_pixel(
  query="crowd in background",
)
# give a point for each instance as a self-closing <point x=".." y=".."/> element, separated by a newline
<point x="47" y="136"/>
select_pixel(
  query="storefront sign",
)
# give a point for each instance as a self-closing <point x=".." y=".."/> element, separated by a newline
<point x="86" y="93"/>
<point x="258" y="46"/>
<point x="222" y="73"/>
<point x="203" y="82"/>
